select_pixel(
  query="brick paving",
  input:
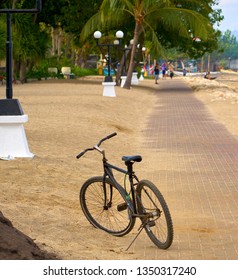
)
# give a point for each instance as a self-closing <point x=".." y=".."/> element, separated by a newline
<point x="194" y="160"/>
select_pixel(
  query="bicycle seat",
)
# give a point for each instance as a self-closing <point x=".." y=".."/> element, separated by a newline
<point x="128" y="159"/>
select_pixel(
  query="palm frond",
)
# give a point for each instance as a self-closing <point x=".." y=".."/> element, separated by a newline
<point x="107" y="18"/>
<point x="93" y="24"/>
<point x="184" y="21"/>
<point x="156" y="46"/>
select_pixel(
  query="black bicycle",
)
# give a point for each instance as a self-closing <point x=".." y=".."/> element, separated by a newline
<point x="113" y="208"/>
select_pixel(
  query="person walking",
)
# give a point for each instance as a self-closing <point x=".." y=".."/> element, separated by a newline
<point x="171" y="74"/>
<point x="164" y="69"/>
<point x="156" y="73"/>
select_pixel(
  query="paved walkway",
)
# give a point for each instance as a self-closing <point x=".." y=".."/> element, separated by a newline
<point x="195" y="161"/>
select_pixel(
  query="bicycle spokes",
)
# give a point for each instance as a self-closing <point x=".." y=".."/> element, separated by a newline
<point x="157" y="220"/>
<point x="100" y="206"/>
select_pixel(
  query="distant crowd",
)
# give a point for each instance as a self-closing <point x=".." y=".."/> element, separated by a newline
<point x="166" y="69"/>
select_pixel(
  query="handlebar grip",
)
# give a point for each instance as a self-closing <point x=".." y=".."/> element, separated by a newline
<point x="106" y="138"/>
<point x="111" y="135"/>
<point x="80" y="154"/>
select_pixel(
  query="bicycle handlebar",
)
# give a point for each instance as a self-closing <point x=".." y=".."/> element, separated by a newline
<point x="82" y="153"/>
<point x="98" y="145"/>
<point x="106" y="138"/>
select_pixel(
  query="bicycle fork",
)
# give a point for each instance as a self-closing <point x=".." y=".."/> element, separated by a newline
<point x="107" y="203"/>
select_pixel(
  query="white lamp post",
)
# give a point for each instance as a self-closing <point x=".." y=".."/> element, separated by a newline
<point x="13" y="141"/>
<point x="143" y="70"/>
<point x="108" y="83"/>
<point x="119" y="35"/>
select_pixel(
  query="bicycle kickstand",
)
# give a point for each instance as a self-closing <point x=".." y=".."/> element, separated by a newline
<point x="140" y="230"/>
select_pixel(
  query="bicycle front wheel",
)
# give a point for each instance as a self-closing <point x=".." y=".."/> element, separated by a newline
<point x="105" y="208"/>
<point x="157" y="221"/>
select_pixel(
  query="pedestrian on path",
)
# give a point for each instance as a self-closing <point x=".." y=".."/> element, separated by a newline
<point x="156" y="73"/>
<point x="164" y="69"/>
<point x="171" y="74"/>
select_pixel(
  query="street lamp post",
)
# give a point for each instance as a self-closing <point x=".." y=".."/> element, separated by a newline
<point x="144" y="64"/>
<point x="13" y="142"/>
<point x="119" y="36"/>
<point x="143" y="53"/>
<point x="8" y="12"/>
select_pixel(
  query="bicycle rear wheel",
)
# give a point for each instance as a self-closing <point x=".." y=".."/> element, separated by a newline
<point x="158" y="225"/>
<point x="113" y="216"/>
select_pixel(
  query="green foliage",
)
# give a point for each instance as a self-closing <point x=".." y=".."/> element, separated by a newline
<point x="187" y="43"/>
<point x="162" y="25"/>
<point x="29" y="40"/>
<point x="2" y="37"/>
<point x="5" y="4"/>
<point x="227" y="50"/>
<point x="81" y="72"/>
<point x="138" y="70"/>
<point x="37" y="73"/>
<point x="223" y="63"/>
<point x="168" y="23"/>
<point x="229" y="45"/>
<point x="40" y="71"/>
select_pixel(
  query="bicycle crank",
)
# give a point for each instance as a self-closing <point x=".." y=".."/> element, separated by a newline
<point x="150" y="224"/>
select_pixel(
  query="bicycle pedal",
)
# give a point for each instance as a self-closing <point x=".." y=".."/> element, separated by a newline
<point x="121" y="207"/>
<point x="151" y="223"/>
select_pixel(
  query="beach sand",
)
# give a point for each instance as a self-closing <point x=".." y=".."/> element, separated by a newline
<point x="40" y="195"/>
<point x="220" y="96"/>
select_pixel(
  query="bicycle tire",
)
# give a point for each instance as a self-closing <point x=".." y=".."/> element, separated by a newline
<point x="111" y="220"/>
<point x="159" y="227"/>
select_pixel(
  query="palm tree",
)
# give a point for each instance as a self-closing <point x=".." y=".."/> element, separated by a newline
<point x="30" y="43"/>
<point x="147" y="16"/>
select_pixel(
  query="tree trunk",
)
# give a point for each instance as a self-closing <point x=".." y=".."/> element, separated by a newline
<point x="120" y="70"/>
<point x="68" y="44"/>
<point x="53" y="36"/>
<point x="127" y="84"/>
<point x="59" y="43"/>
<point x="22" y="72"/>
<point x="14" y="4"/>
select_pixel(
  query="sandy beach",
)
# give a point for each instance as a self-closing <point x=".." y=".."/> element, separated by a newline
<point x="40" y="195"/>
<point x="220" y="96"/>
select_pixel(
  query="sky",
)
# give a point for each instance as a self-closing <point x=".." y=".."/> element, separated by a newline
<point x="230" y="13"/>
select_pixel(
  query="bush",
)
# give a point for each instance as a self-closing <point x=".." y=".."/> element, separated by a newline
<point x="81" y="72"/>
<point x="37" y="74"/>
<point x="40" y="71"/>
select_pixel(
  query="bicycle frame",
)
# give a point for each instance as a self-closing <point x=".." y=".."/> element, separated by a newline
<point x="131" y="203"/>
<point x="107" y="167"/>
